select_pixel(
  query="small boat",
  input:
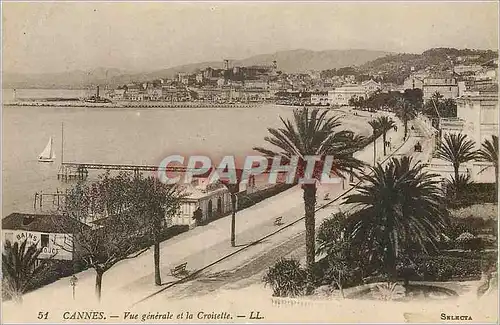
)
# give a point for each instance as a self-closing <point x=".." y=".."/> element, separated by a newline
<point x="47" y="155"/>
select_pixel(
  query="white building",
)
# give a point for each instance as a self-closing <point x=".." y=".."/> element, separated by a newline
<point x="341" y="95"/>
<point x="461" y="69"/>
<point x="477" y="117"/>
<point x="51" y="233"/>
<point x="446" y="85"/>
<point x="319" y="98"/>
<point x="413" y="82"/>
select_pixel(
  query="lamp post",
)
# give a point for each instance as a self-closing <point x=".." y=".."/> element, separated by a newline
<point x="73" y="281"/>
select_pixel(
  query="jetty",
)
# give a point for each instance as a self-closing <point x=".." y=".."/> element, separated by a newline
<point x="79" y="171"/>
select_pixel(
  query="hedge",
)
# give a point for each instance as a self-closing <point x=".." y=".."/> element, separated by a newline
<point x="247" y="200"/>
<point x="474" y="193"/>
<point x="445" y="268"/>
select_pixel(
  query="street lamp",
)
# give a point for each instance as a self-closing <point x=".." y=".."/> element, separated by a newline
<point x="73" y="281"/>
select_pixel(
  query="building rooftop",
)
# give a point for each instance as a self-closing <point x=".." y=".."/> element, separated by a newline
<point x="49" y="223"/>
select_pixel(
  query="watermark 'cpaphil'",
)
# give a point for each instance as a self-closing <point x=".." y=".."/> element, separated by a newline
<point x="177" y="169"/>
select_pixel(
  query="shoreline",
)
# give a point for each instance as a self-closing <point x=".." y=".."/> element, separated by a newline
<point x="133" y="104"/>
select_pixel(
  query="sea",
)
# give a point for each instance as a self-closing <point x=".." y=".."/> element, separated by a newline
<point x="139" y="136"/>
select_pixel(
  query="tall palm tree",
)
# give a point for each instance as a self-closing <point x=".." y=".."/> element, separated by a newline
<point x="313" y="133"/>
<point x="489" y="153"/>
<point x="385" y="124"/>
<point x="20" y="268"/>
<point x="375" y="131"/>
<point x="456" y="149"/>
<point x="397" y="207"/>
<point x="405" y="112"/>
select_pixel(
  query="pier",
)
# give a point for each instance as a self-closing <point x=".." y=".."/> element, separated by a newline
<point x="79" y="171"/>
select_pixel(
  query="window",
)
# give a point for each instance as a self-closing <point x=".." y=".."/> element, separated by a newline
<point x="44" y="240"/>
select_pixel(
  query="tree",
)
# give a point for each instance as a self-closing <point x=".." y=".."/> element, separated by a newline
<point x="375" y="129"/>
<point x="331" y="241"/>
<point x="456" y="149"/>
<point x="405" y="111"/>
<point x="437" y="106"/>
<point x="313" y="134"/>
<point x="109" y="229"/>
<point x="399" y="206"/>
<point x="233" y="190"/>
<point x="415" y="97"/>
<point x="458" y="187"/>
<point x="385" y="123"/>
<point x="153" y="201"/>
<point x="20" y="267"/>
<point x="489" y="153"/>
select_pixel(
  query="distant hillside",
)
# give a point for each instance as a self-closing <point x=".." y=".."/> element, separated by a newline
<point x="64" y="80"/>
<point x="396" y="67"/>
<point x="288" y="61"/>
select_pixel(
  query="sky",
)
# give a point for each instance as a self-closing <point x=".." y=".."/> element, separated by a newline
<point x="41" y="37"/>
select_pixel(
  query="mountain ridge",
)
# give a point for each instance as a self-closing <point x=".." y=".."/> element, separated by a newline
<point x="289" y="61"/>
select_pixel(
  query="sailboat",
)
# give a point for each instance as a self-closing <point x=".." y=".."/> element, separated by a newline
<point x="47" y="155"/>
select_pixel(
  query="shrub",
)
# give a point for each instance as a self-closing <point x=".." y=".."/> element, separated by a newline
<point x="468" y="241"/>
<point x="388" y="291"/>
<point x="444" y="268"/>
<point x="473" y="225"/>
<point x="286" y="278"/>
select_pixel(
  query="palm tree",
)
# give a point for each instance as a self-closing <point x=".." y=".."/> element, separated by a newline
<point x="456" y="149"/>
<point x="19" y="265"/>
<point x="405" y="112"/>
<point x="385" y="124"/>
<point x="313" y="134"/>
<point x="489" y="153"/>
<point x="376" y="129"/>
<point x="398" y="207"/>
<point x="456" y="186"/>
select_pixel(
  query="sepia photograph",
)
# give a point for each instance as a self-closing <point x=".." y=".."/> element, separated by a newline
<point x="249" y="162"/>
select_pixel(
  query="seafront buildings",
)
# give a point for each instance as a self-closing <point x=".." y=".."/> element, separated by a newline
<point x="477" y="117"/>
